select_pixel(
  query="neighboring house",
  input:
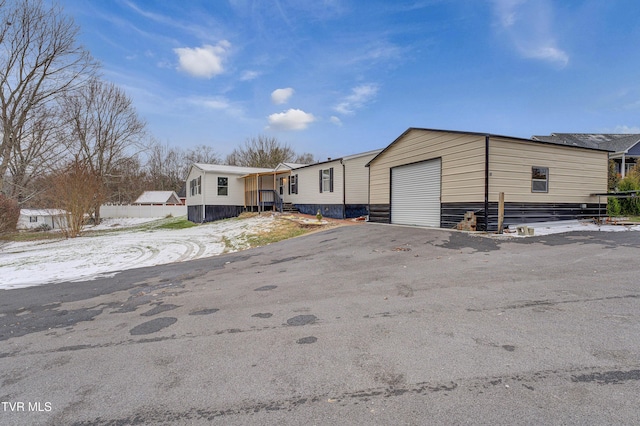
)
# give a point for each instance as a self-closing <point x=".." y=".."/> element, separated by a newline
<point x="36" y="218"/>
<point x="338" y="188"/>
<point x="432" y="177"/>
<point x="158" y="198"/>
<point x="624" y="149"/>
<point x="218" y="191"/>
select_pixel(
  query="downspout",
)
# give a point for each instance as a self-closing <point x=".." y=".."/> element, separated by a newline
<point x="344" y="190"/>
<point x="486" y="183"/>
<point x="202" y="194"/>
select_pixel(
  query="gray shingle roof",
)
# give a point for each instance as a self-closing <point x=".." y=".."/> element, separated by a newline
<point x="608" y="141"/>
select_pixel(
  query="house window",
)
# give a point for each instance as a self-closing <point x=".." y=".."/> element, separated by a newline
<point x="33" y="219"/>
<point x="293" y="184"/>
<point x="326" y="180"/>
<point x="539" y="179"/>
<point x="223" y="186"/>
<point x="195" y="186"/>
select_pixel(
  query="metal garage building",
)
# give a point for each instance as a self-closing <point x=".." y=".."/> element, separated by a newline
<point x="430" y="177"/>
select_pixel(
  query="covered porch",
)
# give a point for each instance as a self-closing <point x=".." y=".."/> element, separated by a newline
<point x="264" y="191"/>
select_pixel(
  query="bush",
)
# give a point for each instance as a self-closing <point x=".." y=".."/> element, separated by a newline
<point x="630" y="206"/>
<point x="9" y="214"/>
<point x="613" y="207"/>
<point x="614" y="177"/>
<point x="42" y="228"/>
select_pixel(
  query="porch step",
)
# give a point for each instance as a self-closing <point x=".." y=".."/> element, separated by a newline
<point x="289" y="208"/>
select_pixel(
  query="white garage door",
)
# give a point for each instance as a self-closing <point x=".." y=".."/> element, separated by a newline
<point x="415" y="194"/>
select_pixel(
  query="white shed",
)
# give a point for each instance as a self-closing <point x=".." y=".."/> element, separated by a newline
<point x="36" y="218"/>
<point x="158" y="198"/>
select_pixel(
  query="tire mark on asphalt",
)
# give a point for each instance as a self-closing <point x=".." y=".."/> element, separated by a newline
<point x="537" y="303"/>
<point x="480" y="384"/>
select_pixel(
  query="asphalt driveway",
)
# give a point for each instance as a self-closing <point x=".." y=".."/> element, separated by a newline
<point x="366" y="324"/>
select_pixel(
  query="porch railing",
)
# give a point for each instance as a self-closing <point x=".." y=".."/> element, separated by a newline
<point x="269" y="197"/>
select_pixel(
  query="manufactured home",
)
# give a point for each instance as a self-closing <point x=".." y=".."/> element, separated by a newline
<point x="338" y="188"/>
<point x="429" y="177"/>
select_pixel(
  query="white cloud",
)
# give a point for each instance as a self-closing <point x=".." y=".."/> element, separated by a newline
<point x="249" y="75"/>
<point x="204" y="62"/>
<point x="281" y="96"/>
<point x="527" y="25"/>
<point x="292" y="119"/>
<point x="626" y="130"/>
<point x="359" y="96"/>
<point x="335" y="120"/>
<point x="218" y="103"/>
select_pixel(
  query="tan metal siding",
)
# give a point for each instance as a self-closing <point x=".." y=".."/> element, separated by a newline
<point x="462" y="164"/>
<point x="573" y="173"/>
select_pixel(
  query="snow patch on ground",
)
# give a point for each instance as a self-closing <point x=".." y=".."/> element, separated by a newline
<point x="25" y="264"/>
<point x="548" y="228"/>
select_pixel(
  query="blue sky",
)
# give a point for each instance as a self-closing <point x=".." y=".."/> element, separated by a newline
<point x="338" y="77"/>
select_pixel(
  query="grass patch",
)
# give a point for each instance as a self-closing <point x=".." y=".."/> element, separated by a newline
<point x="31" y="236"/>
<point x="281" y="230"/>
<point x="174" y="223"/>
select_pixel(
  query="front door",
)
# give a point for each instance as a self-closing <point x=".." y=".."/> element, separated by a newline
<point x="281" y="186"/>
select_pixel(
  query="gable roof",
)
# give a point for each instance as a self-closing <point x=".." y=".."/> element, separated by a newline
<point x="606" y="141"/>
<point x="158" y="197"/>
<point x="475" y="134"/>
<point x="288" y="166"/>
<point x="42" y="212"/>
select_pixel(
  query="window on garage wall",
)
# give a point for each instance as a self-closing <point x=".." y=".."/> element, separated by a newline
<point x="539" y="179"/>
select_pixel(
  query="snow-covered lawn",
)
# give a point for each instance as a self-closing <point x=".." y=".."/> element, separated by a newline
<point x="134" y="243"/>
<point x="130" y="243"/>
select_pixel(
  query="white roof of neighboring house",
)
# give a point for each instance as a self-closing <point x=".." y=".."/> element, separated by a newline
<point x="157" y="197"/>
<point x="42" y="212"/>
<point x="233" y="170"/>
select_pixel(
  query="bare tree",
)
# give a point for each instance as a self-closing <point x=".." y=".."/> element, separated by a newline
<point x="263" y="151"/>
<point x="40" y="60"/>
<point x="39" y="152"/>
<point x="165" y="166"/>
<point x="104" y="131"/>
<point x="168" y="166"/>
<point x="202" y="154"/>
<point x="72" y="189"/>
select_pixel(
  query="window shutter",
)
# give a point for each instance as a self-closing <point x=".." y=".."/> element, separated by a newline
<point x="331" y="179"/>
<point x="320" y="180"/>
<point x="289" y="186"/>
